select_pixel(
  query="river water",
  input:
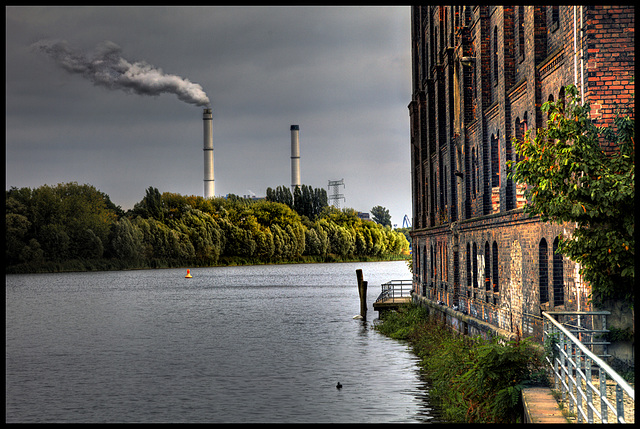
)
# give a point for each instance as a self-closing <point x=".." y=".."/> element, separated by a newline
<point x="231" y="344"/>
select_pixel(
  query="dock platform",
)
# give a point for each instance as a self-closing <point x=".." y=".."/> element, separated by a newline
<point x="394" y="294"/>
<point x="391" y="304"/>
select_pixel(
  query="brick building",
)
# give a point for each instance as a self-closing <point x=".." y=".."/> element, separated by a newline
<point x="480" y="76"/>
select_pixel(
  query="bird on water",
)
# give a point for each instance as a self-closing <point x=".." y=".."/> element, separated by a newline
<point x="338" y="386"/>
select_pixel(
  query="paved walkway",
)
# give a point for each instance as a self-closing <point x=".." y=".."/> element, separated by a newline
<point x="541" y="407"/>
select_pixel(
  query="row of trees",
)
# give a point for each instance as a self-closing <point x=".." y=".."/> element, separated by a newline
<point x="78" y="227"/>
<point x="305" y="200"/>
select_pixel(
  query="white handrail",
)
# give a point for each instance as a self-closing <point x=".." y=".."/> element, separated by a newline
<point x="610" y="372"/>
<point x="622" y="385"/>
<point x="389" y="289"/>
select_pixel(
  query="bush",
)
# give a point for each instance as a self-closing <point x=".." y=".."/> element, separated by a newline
<point x="473" y="380"/>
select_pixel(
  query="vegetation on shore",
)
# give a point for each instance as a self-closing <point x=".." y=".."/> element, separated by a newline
<point x="71" y="227"/>
<point x="473" y="380"/>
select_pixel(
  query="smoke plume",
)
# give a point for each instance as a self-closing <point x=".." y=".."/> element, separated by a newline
<point x="106" y="67"/>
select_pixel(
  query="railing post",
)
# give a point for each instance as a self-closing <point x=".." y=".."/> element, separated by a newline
<point x="563" y="352"/>
<point x="587" y="368"/>
<point x="619" y="404"/>
<point x="555" y="352"/>
<point x="604" y="412"/>
<point x="572" y="393"/>
<point x="556" y="367"/>
<point x="605" y="347"/>
<point x="579" y="392"/>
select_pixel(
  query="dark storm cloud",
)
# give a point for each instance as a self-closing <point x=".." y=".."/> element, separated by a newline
<point x="341" y="73"/>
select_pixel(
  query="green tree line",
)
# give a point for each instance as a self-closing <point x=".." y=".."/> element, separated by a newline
<point x="305" y="200"/>
<point x="77" y="227"/>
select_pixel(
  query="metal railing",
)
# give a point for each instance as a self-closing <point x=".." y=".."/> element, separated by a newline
<point x="573" y="364"/>
<point x="395" y="289"/>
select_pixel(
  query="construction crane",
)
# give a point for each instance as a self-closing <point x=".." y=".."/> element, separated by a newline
<point x="406" y="223"/>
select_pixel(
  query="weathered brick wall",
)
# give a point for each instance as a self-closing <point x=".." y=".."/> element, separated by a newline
<point x="609" y="62"/>
<point x="448" y="270"/>
<point x="501" y="91"/>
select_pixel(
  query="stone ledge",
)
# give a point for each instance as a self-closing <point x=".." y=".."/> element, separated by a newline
<point x="479" y="324"/>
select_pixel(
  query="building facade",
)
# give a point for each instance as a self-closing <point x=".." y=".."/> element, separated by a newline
<point x="480" y="76"/>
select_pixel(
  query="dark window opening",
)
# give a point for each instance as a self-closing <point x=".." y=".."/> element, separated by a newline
<point x="543" y="271"/>
<point x="558" y="276"/>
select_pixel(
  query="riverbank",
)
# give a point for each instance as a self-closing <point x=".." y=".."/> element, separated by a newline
<point x="473" y="381"/>
<point x="226" y="261"/>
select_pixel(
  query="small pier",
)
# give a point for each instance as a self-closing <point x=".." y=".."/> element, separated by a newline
<point x="394" y="294"/>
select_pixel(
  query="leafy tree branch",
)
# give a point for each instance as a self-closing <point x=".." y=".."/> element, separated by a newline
<point x="580" y="173"/>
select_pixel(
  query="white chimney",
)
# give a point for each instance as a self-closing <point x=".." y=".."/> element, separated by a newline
<point x="295" y="157"/>
<point x="209" y="183"/>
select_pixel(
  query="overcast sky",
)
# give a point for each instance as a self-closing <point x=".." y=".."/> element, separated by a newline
<point x="341" y="73"/>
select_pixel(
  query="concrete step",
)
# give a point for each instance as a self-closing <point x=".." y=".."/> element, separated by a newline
<point x="540" y="406"/>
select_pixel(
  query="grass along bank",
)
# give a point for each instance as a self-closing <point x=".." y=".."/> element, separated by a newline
<point x="473" y="380"/>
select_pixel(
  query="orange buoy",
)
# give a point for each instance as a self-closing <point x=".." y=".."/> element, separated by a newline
<point x="188" y="276"/>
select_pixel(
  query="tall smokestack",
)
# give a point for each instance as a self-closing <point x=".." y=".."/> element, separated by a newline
<point x="295" y="157"/>
<point x="209" y="183"/>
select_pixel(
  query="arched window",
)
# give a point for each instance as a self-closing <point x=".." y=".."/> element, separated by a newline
<point x="519" y="135"/>
<point x="441" y="177"/>
<point x="432" y="46"/>
<point x="456" y="276"/>
<point x="508" y="152"/>
<point x="558" y="276"/>
<point x="520" y="131"/>
<point x="495" y="160"/>
<point x="474" y="262"/>
<point x="444" y="187"/>
<point x="442" y="32"/>
<point x="487" y="268"/>
<point x="520" y="32"/>
<point x="433" y="264"/>
<point x="543" y="271"/>
<point x="495" y="55"/>
<point x="445" y="263"/>
<point x="469" y="266"/>
<point x="494" y="270"/>
<point x="474" y="172"/>
<point x="423" y="261"/>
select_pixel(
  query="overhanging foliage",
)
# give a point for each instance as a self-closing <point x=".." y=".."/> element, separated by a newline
<point x="579" y="173"/>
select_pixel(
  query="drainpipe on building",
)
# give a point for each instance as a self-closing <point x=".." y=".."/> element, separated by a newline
<point x="575" y="48"/>
<point x="575" y="51"/>
<point x="581" y="56"/>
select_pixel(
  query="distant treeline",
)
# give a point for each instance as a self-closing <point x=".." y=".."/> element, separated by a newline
<point x="71" y="227"/>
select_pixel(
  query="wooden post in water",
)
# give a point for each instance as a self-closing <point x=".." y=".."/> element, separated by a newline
<point x="362" y="291"/>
